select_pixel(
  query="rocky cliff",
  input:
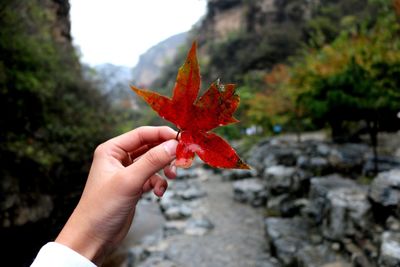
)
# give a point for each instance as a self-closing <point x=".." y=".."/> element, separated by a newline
<point x="150" y="63"/>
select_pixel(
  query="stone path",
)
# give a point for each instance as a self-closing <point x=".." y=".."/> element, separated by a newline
<point x="237" y="237"/>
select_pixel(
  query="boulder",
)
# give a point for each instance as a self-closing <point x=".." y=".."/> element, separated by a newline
<point x="385" y="189"/>
<point x="384" y="163"/>
<point x="287" y="236"/>
<point x="348" y="158"/>
<point x="390" y="249"/>
<point x="347" y="212"/>
<point x="319" y="189"/>
<point x="250" y="191"/>
<point x="279" y="178"/>
<point x="316" y="256"/>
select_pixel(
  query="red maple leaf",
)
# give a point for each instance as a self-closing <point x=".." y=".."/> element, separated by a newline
<point x="196" y="117"/>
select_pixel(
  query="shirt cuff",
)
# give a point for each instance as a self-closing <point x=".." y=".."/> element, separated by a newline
<point x="57" y="255"/>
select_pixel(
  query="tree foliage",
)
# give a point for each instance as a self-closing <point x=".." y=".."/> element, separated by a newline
<point x="354" y="78"/>
<point x="51" y="120"/>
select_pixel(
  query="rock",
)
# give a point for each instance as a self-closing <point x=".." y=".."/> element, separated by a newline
<point x="181" y="211"/>
<point x="157" y="261"/>
<point x="286" y="205"/>
<point x="136" y="255"/>
<point x="279" y="178"/>
<point x="191" y="193"/>
<point x="250" y="191"/>
<point x="316" y="165"/>
<point x="323" y="149"/>
<point x="287" y="236"/>
<point x="168" y="200"/>
<point x="348" y="158"/>
<point x="186" y="173"/>
<point x="347" y="212"/>
<point x="390" y="250"/>
<point x="315" y="256"/>
<point x="198" y="226"/>
<point x="319" y="189"/>
<point x="385" y="189"/>
<point x="273" y="152"/>
<point x="393" y="224"/>
<point x="237" y="174"/>
<point x="174" y="228"/>
<point x="337" y="264"/>
<point x="384" y="163"/>
<point x="268" y="262"/>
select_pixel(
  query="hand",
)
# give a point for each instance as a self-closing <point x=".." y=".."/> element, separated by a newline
<point x="123" y="169"/>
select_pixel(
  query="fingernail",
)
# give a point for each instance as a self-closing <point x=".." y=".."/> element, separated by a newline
<point x="170" y="147"/>
<point x="173" y="169"/>
<point x="162" y="190"/>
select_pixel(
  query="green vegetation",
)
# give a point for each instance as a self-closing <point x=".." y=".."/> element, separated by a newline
<point x="333" y="65"/>
<point x="52" y="119"/>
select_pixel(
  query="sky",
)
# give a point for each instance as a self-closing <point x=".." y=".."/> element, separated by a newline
<point x="119" y="31"/>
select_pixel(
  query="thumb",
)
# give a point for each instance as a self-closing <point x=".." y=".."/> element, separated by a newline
<point x="151" y="162"/>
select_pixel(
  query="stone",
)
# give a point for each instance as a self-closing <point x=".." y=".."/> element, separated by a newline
<point x="287" y="236"/>
<point x="385" y="189"/>
<point x="279" y="178"/>
<point x="181" y="211"/>
<point x="337" y="264"/>
<point x="316" y="164"/>
<point x="186" y="173"/>
<point x="347" y="212"/>
<point x="237" y="174"/>
<point x="384" y="163"/>
<point x="268" y="262"/>
<point x="250" y="191"/>
<point x="174" y="227"/>
<point x="348" y="158"/>
<point x="319" y="189"/>
<point x="192" y="192"/>
<point x="323" y="149"/>
<point x="168" y="200"/>
<point x="198" y="226"/>
<point x="136" y="255"/>
<point x="286" y="205"/>
<point x="158" y="261"/>
<point x="393" y="224"/>
<point x="390" y="249"/>
<point x="315" y="256"/>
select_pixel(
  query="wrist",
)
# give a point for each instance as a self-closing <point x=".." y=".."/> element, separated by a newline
<point x="77" y="236"/>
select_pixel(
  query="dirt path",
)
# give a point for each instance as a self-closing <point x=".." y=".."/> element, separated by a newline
<point x="237" y="238"/>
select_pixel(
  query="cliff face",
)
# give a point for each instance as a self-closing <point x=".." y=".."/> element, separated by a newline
<point x="150" y="63"/>
<point x="226" y="18"/>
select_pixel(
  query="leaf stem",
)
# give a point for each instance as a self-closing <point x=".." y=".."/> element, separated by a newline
<point x="177" y="135"/>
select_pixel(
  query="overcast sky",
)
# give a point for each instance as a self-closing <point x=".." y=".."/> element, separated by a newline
<point x="119" y="31"/>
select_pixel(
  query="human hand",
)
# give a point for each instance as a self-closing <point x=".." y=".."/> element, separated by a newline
<point x="123" y="168"/>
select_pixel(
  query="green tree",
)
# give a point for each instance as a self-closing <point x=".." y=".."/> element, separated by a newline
<point x="51" y="122"/>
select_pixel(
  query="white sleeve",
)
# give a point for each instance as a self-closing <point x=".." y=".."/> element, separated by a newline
<point x="57" y="255"/>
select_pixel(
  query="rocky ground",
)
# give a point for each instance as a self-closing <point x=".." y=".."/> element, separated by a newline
<point x="303" y="204"/>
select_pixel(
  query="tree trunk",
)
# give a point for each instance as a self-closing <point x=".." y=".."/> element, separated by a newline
<point x="373" y="134"/>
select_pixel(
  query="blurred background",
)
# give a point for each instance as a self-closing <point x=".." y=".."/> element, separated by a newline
<point x="319" y="82"/>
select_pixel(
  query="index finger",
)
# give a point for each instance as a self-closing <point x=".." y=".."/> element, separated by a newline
<point x="141" y="136"/>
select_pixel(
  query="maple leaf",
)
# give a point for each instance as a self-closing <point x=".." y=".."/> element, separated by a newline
<point x="196" y="117"/>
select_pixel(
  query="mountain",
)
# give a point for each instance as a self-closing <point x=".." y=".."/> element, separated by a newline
<point x="151" y="62"/>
